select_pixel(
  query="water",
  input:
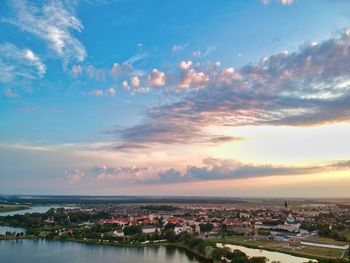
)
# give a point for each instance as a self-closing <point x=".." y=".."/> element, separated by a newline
<point x="40" y="251"/>
<point x="33" y="209"/>
<point x="272" y="256"/>
<point x="4" y="229"/>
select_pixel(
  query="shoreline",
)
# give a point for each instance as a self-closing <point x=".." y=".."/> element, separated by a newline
<point x="121" y="245"/>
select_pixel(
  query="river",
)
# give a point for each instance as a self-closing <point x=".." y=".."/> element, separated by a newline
<point x="270" y="255"/>
<point x="40" y="251"/>
<point x="33" y="209"/>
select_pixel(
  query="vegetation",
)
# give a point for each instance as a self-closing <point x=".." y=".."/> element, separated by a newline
<point x="10" y="208"/>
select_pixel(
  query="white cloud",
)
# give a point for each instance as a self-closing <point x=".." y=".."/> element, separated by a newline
<point x="77" y="70"/>
<point x="177" y="48"/>
<point x="283" y="2"/>
<point x="193" y="78"/>
<point x="185" y="64"/>
<point x="125" y="85"/>
<point x="111" y="91"/>
<point x="135" y="81"/>
<point x="286" y="2"/>
<point x="120" y="69"/>
<point x="54" y="23"/>
<point x="197" y="53"/>
<point x="19" y="63"/>
<point x="157" y="78"/>
<point x="97" y="93"/>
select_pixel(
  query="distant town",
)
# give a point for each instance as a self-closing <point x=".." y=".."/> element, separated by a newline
<point x="315" y="229"/>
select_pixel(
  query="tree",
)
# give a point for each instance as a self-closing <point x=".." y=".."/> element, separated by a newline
<point x="170" y="235"/>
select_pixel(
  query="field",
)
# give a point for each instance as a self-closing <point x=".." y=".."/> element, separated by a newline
<point x="272" y="245"/>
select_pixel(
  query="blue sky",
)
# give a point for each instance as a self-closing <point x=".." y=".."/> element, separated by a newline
<point x="138" y="97"/>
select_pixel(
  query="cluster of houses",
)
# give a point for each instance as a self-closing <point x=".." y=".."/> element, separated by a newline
<point x="276" y="222"/>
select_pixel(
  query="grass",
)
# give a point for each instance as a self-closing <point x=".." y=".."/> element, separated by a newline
<point x="324" y="240"/>
<point x="321" y="252"/>
<point x="303" y="251"/>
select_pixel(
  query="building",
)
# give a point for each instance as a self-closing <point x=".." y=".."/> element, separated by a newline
<point x="149" y="229"/>
<point x="118" y="233"/>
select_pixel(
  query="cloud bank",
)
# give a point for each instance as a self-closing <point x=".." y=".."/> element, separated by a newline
<point x="212" y="169"/>
<point x="310" y="86"/>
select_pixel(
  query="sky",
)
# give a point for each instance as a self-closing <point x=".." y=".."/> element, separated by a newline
<point x="188" y="97"/>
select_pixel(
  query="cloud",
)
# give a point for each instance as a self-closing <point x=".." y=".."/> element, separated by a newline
<point x="177" y="48"/>
<point x="157" y="78"/>
<point x="77" y="70"/>
<point x="10" y="93"/>
<point x="137" y="57"/>
<point x="202" y="54"/>
<point x="286" y="2"/>
<point x="74" y="176"/>
<point x="283" y="2"/>
<point x="125" y="85"/>
<point x="197" y="53"/>
<point x="135" y="81"/>
<point x="53" y="22"/>
<point x="103" y="173"/>
<point x="193" y="78"/>
<point x="120" y="173"/>
<point x="97" y="93"/>
<point x="98" y="74"/>
<point x="170" y="176"/>
<point x="121" y="69"/>
<point x="111" y="91"/>
<point x="223" y="139"/>
<point x="215" y="169"/>
<point x="184" y="65"/>
<point x="211" y="170"/>
<point x="227" y="77"/>
<point x="17" y="63"/>
<point x="310" y="86"/>
<point x="102" y="74"/>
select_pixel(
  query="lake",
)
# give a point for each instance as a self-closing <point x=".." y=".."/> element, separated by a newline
<point x="33" y="209"/>
<point x="270" y="255"/>
<point x="40" y="251"/>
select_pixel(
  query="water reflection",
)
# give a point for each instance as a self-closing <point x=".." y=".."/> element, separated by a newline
<point x="30" y="251"/>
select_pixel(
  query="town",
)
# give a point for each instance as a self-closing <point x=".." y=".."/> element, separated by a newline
<point x="316" y="230"/>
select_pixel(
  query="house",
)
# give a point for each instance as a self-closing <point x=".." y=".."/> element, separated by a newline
<point x="118" y="233"/>
<point x="149" y="229"/>
<point x="178" y="229"/>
